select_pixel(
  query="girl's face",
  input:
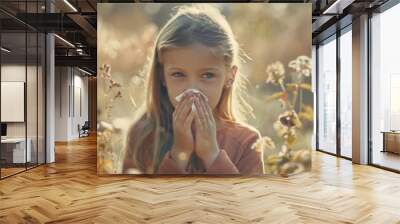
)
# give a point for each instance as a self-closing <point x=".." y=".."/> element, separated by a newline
<point x="196" y="67"/>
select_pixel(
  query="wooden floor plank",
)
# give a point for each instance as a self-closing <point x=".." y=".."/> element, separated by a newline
<point x="69" y="191"/>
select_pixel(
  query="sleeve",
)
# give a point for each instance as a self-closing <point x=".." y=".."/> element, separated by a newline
<point x="169" y="166"/>
<point x="222" y="165"/>
<point x="250" y="162"/>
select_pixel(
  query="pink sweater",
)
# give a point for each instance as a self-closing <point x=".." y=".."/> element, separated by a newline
<point x="236" y="155"/>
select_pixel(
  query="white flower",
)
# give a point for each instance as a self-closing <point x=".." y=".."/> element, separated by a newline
<point x="275" y="73"/>
<point x="302" y="65"/>
<point x="263" y="143"/>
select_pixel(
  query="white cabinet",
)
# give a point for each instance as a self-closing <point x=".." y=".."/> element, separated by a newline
<point x="18" y="149"/>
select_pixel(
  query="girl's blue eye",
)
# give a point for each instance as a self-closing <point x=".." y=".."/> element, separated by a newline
<point x="208" y="75"/>
<point x="177" y="74"/>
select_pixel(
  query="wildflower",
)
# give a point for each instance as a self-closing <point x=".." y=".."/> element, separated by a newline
<point x="104" y="126"/>
<point x="307" y="114"/>
<point x="106" y="165"/>
<point x="279" y="128"/>
<point x="263" y="143"/>
<point x="285" y="126"/>
<point x="133" y="101"/>
<point x="302" y="156"/>
<point x="105" y="71"/>
<point x="114" y="84"/>
<point x="302" y="65"/>
<point x="118" y="95"/>
<point x="289" y="168"/>
<point x="290" y="119"/>
<point x="290" y="136"/>
<point x="274" y="160"/>
<point x="137" y="80"/>
<point x="285" y="151"/>
<point x="275" y="73"/>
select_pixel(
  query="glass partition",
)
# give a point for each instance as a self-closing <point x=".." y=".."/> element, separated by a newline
<point x="14" y="151"/>
<point x="23" y="91"/>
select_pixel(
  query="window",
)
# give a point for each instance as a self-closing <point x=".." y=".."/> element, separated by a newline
<point x="385" y="89"/>
<point x="346" y="93"/>
<point x="327" y="96"/>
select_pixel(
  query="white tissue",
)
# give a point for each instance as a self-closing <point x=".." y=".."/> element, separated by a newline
<point x="194" y="108"/>
<point x="179" y="97"/>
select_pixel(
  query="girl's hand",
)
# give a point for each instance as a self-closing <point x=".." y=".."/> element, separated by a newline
<point x="206" y="145"/>
<point x="183" y="146"/>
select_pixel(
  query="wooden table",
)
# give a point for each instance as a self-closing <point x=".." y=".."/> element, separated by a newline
<point x="391" y="141"/>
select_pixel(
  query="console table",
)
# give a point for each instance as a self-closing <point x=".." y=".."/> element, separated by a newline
<point x="391" y="141"/>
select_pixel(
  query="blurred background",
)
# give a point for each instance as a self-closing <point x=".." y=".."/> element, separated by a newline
<point x="275" y="36"/>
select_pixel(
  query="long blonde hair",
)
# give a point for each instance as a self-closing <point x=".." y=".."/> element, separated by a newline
<point x="202" y="24"/>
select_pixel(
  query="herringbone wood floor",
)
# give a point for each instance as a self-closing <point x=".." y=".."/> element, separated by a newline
<point x="69" y="191"/>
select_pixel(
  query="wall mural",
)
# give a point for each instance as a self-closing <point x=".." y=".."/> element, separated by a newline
<point x="214" y="89"/>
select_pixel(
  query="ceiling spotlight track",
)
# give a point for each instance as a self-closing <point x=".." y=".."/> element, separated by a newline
<point x="5" y="50"/>
<point x="65" y="41"/>
<point x="70" y="5"/>
<point x="337" y="7"/>
<point x="84" y="71"/>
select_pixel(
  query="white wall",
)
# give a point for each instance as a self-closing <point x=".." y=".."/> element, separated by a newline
<point x="16" y="73"/>
<point x="12" y="100"/>
<point x="62" y="81"/>
<point x="81" y="100"/>
<point x="33" y="126"/>
<point x="71" y="87"/>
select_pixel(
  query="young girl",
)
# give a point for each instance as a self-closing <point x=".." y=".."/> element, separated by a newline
<point x="191" y="120"/>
